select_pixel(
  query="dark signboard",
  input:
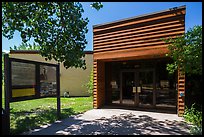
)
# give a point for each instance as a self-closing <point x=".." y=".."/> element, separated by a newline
<point x="25" y="79"/>
<point x="32" y="80"/>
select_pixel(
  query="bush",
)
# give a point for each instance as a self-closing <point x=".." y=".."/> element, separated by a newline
<point x="89" y="85"/>
<point x="196" y="130"/>
<point x="193" y="116"/>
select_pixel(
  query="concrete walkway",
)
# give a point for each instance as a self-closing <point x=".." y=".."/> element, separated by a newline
<point x="110" y="121"/>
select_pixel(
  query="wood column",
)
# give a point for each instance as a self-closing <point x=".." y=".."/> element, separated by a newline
<point x="181" y="93"/>
<point x="99" y="84"/>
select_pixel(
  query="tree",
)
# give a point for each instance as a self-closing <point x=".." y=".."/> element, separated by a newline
<point x="186" y="51"/>
<point x="26" y="46"/>
<point x="58" y="27"/>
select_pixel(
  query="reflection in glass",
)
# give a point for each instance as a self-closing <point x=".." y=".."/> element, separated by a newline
<point x="128" y="83"/>
<point x="165" y="87"/>
<point x="146" y="84"/>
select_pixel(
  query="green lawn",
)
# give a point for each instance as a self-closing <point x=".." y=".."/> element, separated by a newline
<point x="25" y="115"/>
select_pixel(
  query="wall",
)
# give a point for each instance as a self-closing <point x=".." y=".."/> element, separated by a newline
<point x="72" y="79"/>
<point x="138" y="37"/>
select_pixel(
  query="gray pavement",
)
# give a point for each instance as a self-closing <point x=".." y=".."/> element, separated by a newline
<point x="110" y="121"/>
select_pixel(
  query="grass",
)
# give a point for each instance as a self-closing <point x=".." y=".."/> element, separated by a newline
<point x="26" y="115"/>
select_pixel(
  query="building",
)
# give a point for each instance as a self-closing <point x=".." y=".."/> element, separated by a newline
<point x="72" y="80"/>
<point x="130" y="62"/>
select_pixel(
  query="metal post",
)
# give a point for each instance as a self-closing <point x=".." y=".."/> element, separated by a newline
<point x="7" y="91"/>
<point x="58" y="90"/>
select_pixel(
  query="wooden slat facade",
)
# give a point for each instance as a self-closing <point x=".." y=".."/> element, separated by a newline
<point x="181" y="90"/>
<point x="134" y="38"/>
<point x="99" y="84"/>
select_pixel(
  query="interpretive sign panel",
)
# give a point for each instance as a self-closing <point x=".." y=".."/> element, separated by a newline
<point x="32" y="80"/>
<point x="23" y="79"/>
<point x="47" y="81"/>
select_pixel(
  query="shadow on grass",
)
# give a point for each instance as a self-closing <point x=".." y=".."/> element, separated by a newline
<point x="27" y="120"/>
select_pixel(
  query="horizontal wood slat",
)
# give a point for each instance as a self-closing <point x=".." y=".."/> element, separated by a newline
<point x="142" y="39"/>
<point x="181" y="108"/>
<point x="140" y="21"/>
<point x="141" y="33"/>
<point x="139" y="36"/>
<point x="154" y="25"/>
<point x="181" y="84"/>
<point x="130" y="45"/>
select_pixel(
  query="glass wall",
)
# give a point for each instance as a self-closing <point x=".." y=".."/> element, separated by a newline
<point x="146" y="85"/>
<point x="166" y="83"/>
<point x="141" y="83"/>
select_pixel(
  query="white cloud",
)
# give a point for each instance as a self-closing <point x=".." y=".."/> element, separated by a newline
<point x="6" y="51"/>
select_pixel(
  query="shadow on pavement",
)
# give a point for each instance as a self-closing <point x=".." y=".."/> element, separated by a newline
<point x="124" y="124"/>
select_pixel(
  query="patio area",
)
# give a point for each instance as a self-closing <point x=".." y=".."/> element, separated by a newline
<point x="115" y="121"/>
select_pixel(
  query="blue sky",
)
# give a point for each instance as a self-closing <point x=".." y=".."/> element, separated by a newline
<point x="113" y="11"/>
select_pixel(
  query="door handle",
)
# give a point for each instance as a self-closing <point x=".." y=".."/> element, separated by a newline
<point x="138" y="89"/>
<point x="134" y="89"/>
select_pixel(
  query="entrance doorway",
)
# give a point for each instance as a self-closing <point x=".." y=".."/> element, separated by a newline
<point x="141" y="84"/>
<point x="128" y="82"/>
<point x="138" y="88"/>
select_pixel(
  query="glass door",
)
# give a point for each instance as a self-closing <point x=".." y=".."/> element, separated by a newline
<point x="128" y="90"/>
<point x="145" y="88"/>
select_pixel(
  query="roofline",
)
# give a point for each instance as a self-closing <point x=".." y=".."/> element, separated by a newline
<point x="37" y="52"/>
<point x="139" y="16"/>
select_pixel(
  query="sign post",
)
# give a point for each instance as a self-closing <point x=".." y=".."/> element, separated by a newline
<point x="58" y="91"/>
<point x="7" y="91"/>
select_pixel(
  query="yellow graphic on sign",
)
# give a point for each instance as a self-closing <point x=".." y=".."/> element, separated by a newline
<point x="23" y="92"/>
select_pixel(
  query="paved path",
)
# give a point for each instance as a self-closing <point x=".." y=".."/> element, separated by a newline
<point x="109" y="121"/>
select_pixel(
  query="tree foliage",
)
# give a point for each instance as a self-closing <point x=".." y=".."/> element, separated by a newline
<point x="186" y="51"/>
<point x="26" y="46"/>
<point x="58" y="27"/>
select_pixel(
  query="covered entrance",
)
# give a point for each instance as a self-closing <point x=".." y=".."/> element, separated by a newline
<point x="130" y="62"/>
<point x="137" y="87"/>
<point x="141" y="84"/>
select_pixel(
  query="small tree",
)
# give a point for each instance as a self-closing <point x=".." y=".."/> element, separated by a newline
<point x="186" y="51"/>
<point x="89" y="85"/>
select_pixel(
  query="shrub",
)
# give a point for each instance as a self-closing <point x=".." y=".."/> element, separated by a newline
<point x="89" y="85"/>
<point x="193" y="116"/>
